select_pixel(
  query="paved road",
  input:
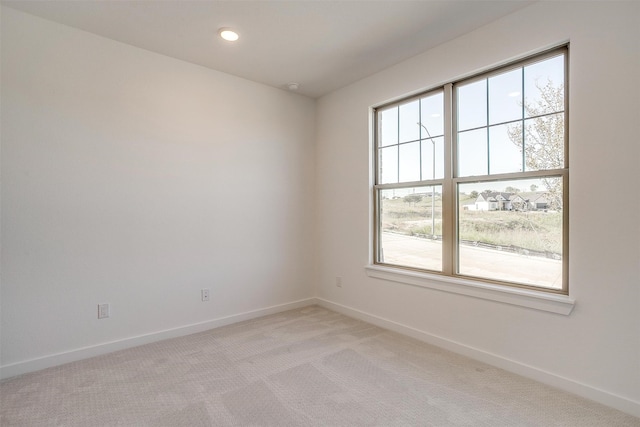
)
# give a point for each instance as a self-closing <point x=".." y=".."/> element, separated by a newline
<point x="479" y="262"/>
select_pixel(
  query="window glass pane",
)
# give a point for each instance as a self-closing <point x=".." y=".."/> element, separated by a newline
<point x="505" y="97"/>
<point x="472" y="105"/>
<point x="544" y="142"/>
<point x="388" y="120"/>
<point x="544" y="87"/>
<point x="432" y="115"/>
<point x="472" y="152"/>
<point x="505" y="149"/>
<point x="410" y="162"/>
<point x="512" y="231"/>
<point x="388" y="165"/>
<point x="409" y="121"/>
<point x="429" y="148"/>
<point x="410" y="230"/>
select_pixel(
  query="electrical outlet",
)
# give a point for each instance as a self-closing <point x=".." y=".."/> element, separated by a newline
<point x="204" y="293"/>
<point x="103" y="311"/>
<point x="339" y="282"/>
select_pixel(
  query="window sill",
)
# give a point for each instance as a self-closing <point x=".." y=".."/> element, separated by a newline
<point x="560" y="304"/>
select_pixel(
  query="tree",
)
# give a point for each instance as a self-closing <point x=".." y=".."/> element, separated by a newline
<point x="511" y="190"/>
<point x="519" y="204"/>
<point x="412" y="198"/>
<point x="543" y="136"/>
<point x="474" y="194"/>
<point x="534" y="187"/>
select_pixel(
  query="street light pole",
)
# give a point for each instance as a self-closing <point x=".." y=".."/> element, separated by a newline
<point x="433" y="188"/>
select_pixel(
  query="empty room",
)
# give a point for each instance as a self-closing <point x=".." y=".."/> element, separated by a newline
<point x="328" y="213"/>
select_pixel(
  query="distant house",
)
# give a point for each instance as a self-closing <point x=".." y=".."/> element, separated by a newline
<point x="494" y="201"/>
<point x="500" y="201"/>
<point x="538" y="201"/>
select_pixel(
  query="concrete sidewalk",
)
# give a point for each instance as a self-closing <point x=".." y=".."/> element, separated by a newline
<point x="479" y="262"/>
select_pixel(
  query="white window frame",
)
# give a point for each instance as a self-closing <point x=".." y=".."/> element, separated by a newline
<point x="553" y="300"/>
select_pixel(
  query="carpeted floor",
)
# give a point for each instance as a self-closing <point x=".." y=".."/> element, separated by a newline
<point x="305" y="367"/>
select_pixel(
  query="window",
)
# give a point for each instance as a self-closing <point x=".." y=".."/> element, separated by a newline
<point x="471" y="178"/>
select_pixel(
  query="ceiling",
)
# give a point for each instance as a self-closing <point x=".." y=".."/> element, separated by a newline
<point x="321" y="45"/>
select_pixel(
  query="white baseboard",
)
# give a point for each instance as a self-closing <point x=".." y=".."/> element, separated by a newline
<point x="601" y="396"/>
<point x="37" y="364"/>
<point x="584" y="390"/>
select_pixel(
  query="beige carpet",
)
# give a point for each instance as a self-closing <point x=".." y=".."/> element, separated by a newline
<point x="306" y="367"/>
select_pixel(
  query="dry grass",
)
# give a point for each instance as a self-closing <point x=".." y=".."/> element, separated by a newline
<point x="534" y="231"/>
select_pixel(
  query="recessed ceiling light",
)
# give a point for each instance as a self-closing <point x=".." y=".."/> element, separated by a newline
<point x="228" y="34"/>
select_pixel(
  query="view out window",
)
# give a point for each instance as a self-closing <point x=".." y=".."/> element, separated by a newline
<point x="471" y="178"/>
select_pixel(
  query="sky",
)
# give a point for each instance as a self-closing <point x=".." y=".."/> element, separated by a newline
<point x="412" y="133"/>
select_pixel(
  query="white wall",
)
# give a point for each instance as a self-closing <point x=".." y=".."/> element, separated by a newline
<point x="594" y="351"/>
<point x="134" y="179"/>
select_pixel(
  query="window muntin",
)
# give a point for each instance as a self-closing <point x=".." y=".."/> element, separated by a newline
<point x="503" y="132"/>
